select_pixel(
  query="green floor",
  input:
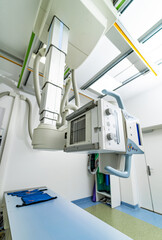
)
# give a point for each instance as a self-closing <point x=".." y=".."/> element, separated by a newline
<point x="131" y="226"/>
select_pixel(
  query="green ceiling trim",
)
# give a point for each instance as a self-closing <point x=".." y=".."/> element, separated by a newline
<point x="26" y="57"/>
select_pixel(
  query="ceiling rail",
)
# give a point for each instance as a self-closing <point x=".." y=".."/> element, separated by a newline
<point x="145" y="37"/>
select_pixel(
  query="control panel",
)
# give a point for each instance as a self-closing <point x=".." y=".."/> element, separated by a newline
<point x="112" y="127"/>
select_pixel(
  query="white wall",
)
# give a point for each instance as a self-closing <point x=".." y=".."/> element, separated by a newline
<point x="147" y="107"/>
<point x="23" y="167"/>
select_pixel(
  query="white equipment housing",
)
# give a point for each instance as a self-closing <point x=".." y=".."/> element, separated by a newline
<point x="101" y="127"/>
<point x="96" y="127"/>
<point x="107" y="129"/>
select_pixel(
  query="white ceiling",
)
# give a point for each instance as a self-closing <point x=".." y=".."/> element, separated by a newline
<point x="16" y="23"/>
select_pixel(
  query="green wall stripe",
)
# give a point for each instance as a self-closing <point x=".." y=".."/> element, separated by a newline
<point x="26" y="57"/>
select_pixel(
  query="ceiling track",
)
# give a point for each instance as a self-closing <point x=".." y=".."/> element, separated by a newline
<point x="18" y="64"/>
<point x="1" y="56"/>
<point x="133" y="78"/>
<point x="106" y="69"/>
<point x="145" y="37"/>
<point x="129" y="80"/>
<point x="73" y="97"/>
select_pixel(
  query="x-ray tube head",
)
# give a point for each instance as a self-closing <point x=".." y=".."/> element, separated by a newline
<point x="104" y="128"/>
<point x="93" y="128"/>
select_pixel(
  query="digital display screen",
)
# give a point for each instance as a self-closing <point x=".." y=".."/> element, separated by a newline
<point x="138" y="134"/>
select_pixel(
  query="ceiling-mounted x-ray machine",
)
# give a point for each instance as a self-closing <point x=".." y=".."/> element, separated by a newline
<point x="99" y="126"/>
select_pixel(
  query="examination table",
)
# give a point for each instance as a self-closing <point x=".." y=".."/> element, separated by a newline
<point x="57" y="219"/>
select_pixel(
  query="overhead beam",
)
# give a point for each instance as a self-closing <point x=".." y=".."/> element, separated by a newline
<point x="151" y="32"/>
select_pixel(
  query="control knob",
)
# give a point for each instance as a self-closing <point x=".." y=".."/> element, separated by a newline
<point x="110" y="136"/>
<point x="108" y="111"/>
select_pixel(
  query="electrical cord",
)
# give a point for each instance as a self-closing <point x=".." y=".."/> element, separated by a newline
<point x="96" y="164"/>
<point x="29" y="118"/>
<point x="76" y="93"/>
<point x="37" y="90"/>
<point x="7" y="93"/>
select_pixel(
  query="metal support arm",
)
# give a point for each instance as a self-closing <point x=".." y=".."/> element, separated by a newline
<point x="126" y="172"/>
